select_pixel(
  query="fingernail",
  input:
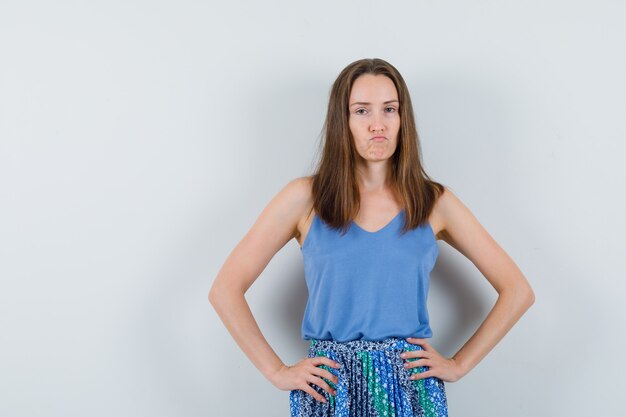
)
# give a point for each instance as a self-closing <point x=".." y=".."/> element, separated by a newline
<point x="403" y="355"/>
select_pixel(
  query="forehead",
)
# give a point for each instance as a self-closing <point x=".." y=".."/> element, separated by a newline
<point x="370" y="87"/>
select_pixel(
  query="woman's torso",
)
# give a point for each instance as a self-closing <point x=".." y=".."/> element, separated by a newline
<point x="371" y="282"/>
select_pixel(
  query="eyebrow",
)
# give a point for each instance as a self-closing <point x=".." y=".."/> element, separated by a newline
<point x="366" y="103"/>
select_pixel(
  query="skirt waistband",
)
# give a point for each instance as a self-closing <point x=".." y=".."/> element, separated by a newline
<point x="390" y="343"/>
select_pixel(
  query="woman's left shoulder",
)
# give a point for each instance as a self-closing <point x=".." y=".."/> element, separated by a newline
<point x="446" y="204"/>
<point x="445" y="197"/>
<point x="454" y="219"/>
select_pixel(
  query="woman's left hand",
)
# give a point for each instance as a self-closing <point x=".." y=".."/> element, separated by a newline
<point x="445" y="369"/>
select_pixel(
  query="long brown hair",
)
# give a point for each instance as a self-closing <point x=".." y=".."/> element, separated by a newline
<point x="335" y="191"/>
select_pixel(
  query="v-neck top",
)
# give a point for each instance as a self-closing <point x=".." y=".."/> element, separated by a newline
<point x="367" y="285"/>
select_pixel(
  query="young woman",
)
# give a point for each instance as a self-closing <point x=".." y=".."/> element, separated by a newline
<point x="367" y="222"/>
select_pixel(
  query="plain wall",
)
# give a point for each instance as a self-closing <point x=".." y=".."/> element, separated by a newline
<point x="140" y="140"/>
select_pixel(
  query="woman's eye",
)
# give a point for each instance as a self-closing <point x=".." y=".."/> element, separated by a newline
<point x="391" y="109"/>
<point x="360" y="111"/>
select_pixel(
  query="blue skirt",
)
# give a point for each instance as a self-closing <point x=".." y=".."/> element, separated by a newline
<point x="373" y="382"/>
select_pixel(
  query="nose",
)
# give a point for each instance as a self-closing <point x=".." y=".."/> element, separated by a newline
<point x="377" y="124"/>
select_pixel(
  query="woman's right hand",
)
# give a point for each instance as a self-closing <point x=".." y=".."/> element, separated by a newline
<point x="298" y="376"/>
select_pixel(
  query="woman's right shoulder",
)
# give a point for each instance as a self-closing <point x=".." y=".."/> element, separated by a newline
<point x="299" y="190"/>
<point x="301" y="197"/>
<point x="299" y="194"/>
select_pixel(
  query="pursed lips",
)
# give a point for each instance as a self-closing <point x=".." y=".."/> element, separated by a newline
<point x="378" y="138"/>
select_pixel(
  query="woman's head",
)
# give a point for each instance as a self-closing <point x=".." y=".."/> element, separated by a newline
<point x="373" y="118"/>
<point x="369" y="78"/>
<point x="350" y="140"/>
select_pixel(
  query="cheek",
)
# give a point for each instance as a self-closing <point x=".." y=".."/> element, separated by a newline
<point x="396" y="125"/>
<point x="356" y="129"/>
<point x="353" y="123"/>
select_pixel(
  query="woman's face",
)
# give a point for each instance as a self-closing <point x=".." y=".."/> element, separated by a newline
<point x="374" y="116"/>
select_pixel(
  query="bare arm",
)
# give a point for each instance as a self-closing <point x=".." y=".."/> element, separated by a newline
<point x="515" y="296"/>
<point x="276" y="225"/>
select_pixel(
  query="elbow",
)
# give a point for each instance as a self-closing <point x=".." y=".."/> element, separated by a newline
<point x="531" y="297"/>
<point x="215" y="299"/>
<point x="527" y="294"/>
<point x="523" y="294"/>
<point x="220" y="295"/>
<point x="214" y="295"/>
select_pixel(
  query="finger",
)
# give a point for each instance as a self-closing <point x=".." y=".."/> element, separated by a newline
<point x="318" y="370"/>
<point x="419" y="341"/>
<point x="319" y="397"/>
<point x="322" y="384"/>
<point x="422" y="375"/>
<point x="323" y="360"/>
<point x="417" y="353"/>
<point x="326" y="374"/>
<point x="418" y="363"/>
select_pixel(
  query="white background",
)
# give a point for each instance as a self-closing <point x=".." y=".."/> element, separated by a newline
<point x="139" y="141"/>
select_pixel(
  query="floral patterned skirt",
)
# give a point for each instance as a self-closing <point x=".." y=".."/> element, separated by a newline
<point x="372" y="383"/>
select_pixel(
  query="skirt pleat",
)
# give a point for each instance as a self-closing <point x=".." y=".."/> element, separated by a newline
<point x="373" y="382"/>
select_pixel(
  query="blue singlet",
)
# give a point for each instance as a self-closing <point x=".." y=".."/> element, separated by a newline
<point x="367" y="285"/>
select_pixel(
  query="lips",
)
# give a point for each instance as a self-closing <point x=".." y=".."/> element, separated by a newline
<point x="379" y="138"/>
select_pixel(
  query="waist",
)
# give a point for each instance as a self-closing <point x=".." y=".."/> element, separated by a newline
<point x="360" y="345"/>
